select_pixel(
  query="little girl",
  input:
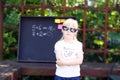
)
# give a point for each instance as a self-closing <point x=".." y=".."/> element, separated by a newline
<point x="69" y="52"/>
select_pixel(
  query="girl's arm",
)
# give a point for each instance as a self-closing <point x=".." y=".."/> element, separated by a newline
<point x="70" y="62"/>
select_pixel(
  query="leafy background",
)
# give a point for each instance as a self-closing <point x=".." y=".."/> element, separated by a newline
<point x="94" y="19"/>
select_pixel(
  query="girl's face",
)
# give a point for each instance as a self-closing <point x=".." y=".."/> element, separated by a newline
<point x="69" y="32"/>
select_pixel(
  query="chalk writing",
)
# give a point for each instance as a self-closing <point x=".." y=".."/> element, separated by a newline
<point x="42" y="31"/>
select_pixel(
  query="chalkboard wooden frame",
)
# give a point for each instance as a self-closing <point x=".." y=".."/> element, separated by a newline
<point x="37" y="36"/>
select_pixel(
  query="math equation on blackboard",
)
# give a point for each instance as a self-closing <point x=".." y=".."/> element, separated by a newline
<point x="42" y="31"/>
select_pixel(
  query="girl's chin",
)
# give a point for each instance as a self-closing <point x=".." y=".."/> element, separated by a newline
<point x="68" y="37"/>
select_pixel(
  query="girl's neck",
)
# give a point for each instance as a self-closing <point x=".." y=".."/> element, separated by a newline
<point x="69" y="40"/>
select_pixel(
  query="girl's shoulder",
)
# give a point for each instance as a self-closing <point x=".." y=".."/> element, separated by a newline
<point x="59" y="42"/>
<point x="78" y="42"/>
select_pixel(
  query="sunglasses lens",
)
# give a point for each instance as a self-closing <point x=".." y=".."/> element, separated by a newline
<point x="65" y="28"/>
<point x="73" y="30"/>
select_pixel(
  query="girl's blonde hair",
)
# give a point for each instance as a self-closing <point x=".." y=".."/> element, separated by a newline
<point x="70" y="22"/>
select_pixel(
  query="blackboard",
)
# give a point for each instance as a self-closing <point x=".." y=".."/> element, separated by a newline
<point x="37" y="36"/>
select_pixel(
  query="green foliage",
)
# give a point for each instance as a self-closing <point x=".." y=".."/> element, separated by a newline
<point x="95" y="19"/>
<point x="114" y="19"/>
<point x="113" y="3"/>
<point x="94" y="57"/>
<point x="113" y="58"/>
<point x="113" y="42"/>
<point x="71" y="3"/>
<point x="96" y="3"/>
<point x="9" y="41"/>
<point x="12" y="2"/>
<point x="32" y="2"/>
<point x="55" y="3"/>
<point x="12" y="17"/>
<point x="35" y="12"/>
<point x="95" y="40"/>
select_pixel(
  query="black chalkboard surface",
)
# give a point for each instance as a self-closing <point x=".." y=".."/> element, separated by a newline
<point x="37" y="36"/>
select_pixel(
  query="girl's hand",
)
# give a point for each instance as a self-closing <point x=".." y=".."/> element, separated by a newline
<point x="59" y="63"/>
